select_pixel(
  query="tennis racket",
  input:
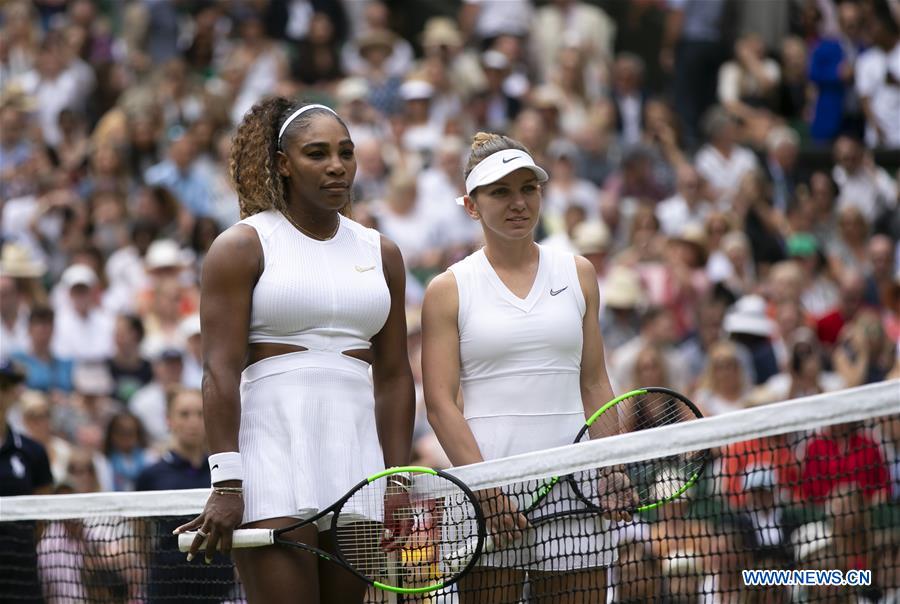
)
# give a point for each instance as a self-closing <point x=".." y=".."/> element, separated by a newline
<point x="436" y="515"/>
<point x="630" y="488"/>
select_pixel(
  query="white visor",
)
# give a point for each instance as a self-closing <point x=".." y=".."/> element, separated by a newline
<point x="497" y="165"/>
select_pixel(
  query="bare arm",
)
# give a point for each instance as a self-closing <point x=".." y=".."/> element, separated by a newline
<point x="230" y="271"/>
<point x="395" y="398"/>
<point x="440" y="368"/>
<point x="595" y="387"/>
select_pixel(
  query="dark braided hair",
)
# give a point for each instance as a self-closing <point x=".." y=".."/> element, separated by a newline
<point x="254" y="154"/>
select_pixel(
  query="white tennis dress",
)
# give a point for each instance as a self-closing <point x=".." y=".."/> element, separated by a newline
<point x="520" y="369"/>
<point x="307" y="418"/>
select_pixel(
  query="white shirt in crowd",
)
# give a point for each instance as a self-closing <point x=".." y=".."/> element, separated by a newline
<point x="82" y="338"/>
<point x="674" y="213"/>
<point x="412" y="232"/>
<point x="872" y="69"/>
<point x="437" y="202"/>
<point x="149" y="405"/>
<point x="870" y="191"/>
<point x="15" y="338"/>
<point x="725" y="173"/>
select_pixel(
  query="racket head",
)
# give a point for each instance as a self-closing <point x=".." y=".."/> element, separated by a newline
<point x="654" y="481"/>
<point x="437" y="515"/>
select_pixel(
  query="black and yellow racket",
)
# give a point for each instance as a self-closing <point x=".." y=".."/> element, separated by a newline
<point x="435" y="517"/>
<point x="629" y="488"/>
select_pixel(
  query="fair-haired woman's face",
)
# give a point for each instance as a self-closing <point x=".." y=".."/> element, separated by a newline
<point x="320" y="163"/>
<point x="724" y="368"/>
<point x="509" y="207"/>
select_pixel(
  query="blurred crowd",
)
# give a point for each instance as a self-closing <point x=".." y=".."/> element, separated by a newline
<point x="730" y="169"/>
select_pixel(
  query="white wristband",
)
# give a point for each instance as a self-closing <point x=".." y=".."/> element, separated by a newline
<point x="225" y="466"/>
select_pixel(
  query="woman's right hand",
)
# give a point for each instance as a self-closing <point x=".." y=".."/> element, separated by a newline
<point x="214" y="526"/>
<point x="504" y="523"/>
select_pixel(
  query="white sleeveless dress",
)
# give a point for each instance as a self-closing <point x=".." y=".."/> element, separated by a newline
<point x="520" y="369"/>
<point x="307" y="430"/>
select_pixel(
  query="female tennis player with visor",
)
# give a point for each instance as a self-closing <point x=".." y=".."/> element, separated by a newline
<point x="297" y="302"/>
<point x="515" y="327"/>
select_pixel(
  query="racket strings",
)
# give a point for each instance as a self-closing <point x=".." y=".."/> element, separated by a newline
<point x="411" y="548"/>
<point x="643" y="483"/>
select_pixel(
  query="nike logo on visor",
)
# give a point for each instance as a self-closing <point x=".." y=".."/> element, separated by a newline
<point x="509" y="159"/>
<point x="554" y="292"/>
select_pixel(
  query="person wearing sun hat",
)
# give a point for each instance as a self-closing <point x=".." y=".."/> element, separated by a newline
<point x="747" y="324"/>
<point x="17" y="268"/>
<point x="514" y="328"/>
<point x="83" y="330"/>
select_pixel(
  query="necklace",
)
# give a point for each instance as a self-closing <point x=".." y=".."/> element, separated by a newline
<point x="310" y="234"/>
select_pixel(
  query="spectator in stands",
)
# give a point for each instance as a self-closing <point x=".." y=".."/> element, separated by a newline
<point x="179" y="173"/>
<point x="17" y="273"/>
<point x="860" y="182"/>
<point x="149" y="403"/>
<point x="722" y="162"/>
<point x="829" y="326"/>
<point x="820" y="293"/>
<point x="782" y="147"/>
<point x="183" y="466"/>
<point x="657" y="330"/>
<point x="567" y="188"/>
<point x="748" y="326"/>
<point x="844" y="454"/>
<point x="734" y="267"/>
<point x="688" y="205"/>
<point x="620" y="318"/>
<point x="803" y="375"/>
<point x="128" y="368"/>
<point x="38" y="422"/>
<point x="832" y="70"/>
<point x="125" y="450"/>
<point x="24" y="470"/>
<point x="880" y="276"/>
<point x="82" y="331"/>
<point x="46" y="372"/>
<point x="877" y="79"/>
<point x="749" y="83"/>
<point x="723" y="385"/>
<point x="863" y="355"/>
<point x="192" y="375"/>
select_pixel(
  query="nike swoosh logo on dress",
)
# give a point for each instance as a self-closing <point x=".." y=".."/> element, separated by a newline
<point x="553" y="292"/>
<point x="362" y="269"/>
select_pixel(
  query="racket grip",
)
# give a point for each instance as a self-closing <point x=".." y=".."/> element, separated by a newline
<point x="239" y="538"/>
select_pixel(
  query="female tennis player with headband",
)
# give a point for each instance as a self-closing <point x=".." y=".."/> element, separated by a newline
<point x="297" y="302"/>
<point x="515" y="327"/>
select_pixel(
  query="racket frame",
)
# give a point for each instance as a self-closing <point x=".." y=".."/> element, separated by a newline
<point x="262" y="537"/>
<point x="590" y="508"/>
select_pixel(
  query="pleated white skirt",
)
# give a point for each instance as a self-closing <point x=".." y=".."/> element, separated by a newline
<point x="307" y="432"/>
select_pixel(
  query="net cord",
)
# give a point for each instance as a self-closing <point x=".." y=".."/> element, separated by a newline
<point x="808" y="413"/>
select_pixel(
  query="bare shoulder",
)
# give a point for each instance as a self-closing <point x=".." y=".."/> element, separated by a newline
<point x="237" y="249"/>
<point x="587" y="275"/>
<point x="390" y="252"/>
<point x="442" y="295"/>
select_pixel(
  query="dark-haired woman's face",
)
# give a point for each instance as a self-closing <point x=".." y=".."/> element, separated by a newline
<point x="320" y="164"/>
<point x="509" y="207"/>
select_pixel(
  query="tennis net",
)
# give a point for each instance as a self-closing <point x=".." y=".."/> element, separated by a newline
<point x="809" y="486"/>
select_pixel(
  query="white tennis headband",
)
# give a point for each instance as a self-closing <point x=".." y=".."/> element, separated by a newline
<point x="296" y="114"/>
<point x="497" y="165"/>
